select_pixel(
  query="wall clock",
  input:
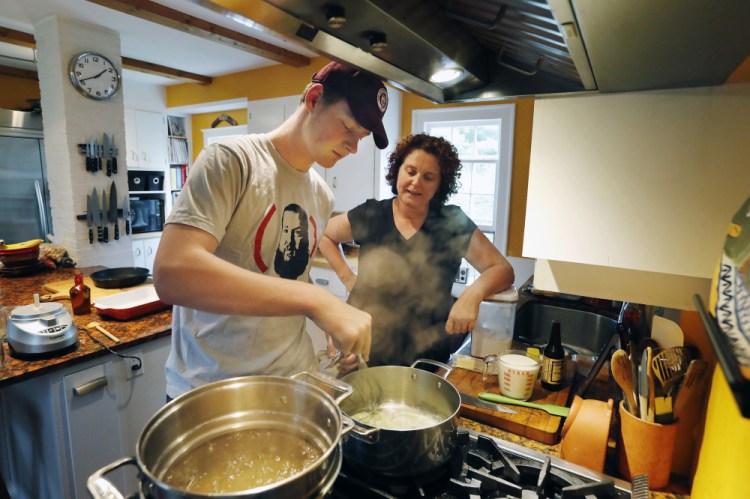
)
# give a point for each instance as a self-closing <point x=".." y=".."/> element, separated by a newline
<point x="94" y="76"/>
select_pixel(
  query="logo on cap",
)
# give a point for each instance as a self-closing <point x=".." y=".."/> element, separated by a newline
<point x="382" y="99"/>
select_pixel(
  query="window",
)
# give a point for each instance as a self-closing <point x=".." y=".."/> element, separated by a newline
<point x="483" y="137"/>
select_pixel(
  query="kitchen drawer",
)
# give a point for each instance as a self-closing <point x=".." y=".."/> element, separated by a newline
<point x="328" y="280"/>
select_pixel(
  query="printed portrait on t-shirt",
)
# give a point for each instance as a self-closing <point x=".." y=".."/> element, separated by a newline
<point x="293" y="252"/>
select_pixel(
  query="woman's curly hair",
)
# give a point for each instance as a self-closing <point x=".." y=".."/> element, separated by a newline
<point x="444" y="151"/>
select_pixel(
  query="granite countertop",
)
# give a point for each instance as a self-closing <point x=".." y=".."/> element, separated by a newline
<point x="20" y="291"/>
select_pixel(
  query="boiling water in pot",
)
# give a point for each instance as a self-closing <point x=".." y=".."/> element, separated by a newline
<point x="393" y="416"/>
<point x="242" y="460"/>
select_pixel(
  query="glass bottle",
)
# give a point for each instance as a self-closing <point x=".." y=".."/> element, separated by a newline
<point x="80" y="295"/>
<point x="3" y="328"/>
<point x="553" y="360"/>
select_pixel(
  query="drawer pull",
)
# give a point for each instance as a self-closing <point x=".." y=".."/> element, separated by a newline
<point x="322" y="282"/>
<point x="90" y="386"/>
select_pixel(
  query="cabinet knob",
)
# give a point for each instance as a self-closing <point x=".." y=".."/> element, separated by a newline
<point x="138" y="252"/>
<point x="322" y="282"/>
<point x="334" y="182"/>
<point x="90" y="386"/>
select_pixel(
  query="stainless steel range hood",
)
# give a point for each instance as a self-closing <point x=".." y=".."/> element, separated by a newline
<point x="511" y="48"/>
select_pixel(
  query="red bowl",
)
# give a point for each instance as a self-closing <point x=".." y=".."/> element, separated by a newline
<point x="20" y="251"/>
<point x="14" y="258"/>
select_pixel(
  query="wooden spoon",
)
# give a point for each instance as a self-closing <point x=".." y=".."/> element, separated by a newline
<point x="622" y="370"/>
<point x="103" y="331"/>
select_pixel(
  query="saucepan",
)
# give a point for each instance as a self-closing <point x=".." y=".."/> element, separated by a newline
<point x="245" y="437"/>
<point x="406" y="419"/>
<point x="119" y="277"/>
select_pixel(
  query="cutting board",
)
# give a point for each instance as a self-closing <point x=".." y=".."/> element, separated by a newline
<point x="530" y="423"/>
<point x="96" y="293"/>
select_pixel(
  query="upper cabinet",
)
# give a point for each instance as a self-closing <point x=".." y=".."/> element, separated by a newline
<point x="641" y="186"/>
<point x="145" y="140"/>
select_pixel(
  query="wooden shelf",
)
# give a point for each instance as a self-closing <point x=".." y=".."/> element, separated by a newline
<point x="739" y="385"/>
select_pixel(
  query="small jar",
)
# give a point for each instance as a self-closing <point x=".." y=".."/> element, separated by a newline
<point x="80" y="296"/>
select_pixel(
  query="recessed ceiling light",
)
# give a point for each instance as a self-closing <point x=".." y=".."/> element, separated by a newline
<point x="378" y="42"/>
<point x="335" y="16"/>
<point x="445" y="75"/>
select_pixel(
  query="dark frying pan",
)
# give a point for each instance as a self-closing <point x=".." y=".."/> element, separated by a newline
<point x="119" y="277"/>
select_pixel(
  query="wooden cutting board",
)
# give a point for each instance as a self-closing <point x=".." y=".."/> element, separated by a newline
<point x="531" y="423"/>
<point x="63" y="287"/>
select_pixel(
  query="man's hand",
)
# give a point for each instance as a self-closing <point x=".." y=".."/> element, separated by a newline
<point x="349" y="327"/>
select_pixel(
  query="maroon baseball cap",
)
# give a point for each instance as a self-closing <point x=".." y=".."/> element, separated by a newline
<point x="365" y="94"/>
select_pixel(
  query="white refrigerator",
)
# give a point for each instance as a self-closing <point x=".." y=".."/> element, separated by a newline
<point x="24" y="195"/>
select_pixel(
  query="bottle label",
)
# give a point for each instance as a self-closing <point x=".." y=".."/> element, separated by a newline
<point x="552" y="371"/>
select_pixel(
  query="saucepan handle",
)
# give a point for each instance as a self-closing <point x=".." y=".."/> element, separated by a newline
<point x="445" y="367"/>
<point x="101" y="488"/>
<point x="329" y="381"/>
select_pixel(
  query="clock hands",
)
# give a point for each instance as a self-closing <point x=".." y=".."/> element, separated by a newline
<point x="92" y="77"/>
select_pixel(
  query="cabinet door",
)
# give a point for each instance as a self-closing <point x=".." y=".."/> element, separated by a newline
<point x="149" y="248"/>
<point x="328" y="280"/>
<point x="151" y="131"/>
<point x="93" y="424"/>
<point x="352" y="179"/>
<point x="139" y="254"/>
<point x="131" y="139"/>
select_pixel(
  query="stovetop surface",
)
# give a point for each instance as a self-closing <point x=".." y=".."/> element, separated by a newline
<point x="485" y="467"/>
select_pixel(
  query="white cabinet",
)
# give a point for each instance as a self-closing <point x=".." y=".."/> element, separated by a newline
<point x="57" y="429"/>
<point x="145" y="140"/>
<point x="352" y="179"/>
<point x="328" y="280"/>
<point x="266" y="114"/>
<point x="144" y="252"/>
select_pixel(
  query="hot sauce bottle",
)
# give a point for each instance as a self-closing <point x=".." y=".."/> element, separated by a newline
<point x="553" y="359"/>
<point x="80" y="295"/>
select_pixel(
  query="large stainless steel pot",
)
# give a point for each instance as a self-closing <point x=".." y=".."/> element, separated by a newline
<point x="404" y="452"/>
<point x="251" y="402"/>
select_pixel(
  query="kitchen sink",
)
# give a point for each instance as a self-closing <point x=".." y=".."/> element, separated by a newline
<point x="583" y="332"/>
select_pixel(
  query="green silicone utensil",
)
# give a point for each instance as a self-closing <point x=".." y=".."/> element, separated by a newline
<point x="555" y="410"/>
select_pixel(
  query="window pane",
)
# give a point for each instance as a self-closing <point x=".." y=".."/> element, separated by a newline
<point x="440" y="131"/>
<point x="488" y="140"/>
<point x="463" y="139"/>
<point x="483" y="179"/>
<point x="467" y="178"/>
<point x="482" y="209"/>
<point x="463" y="201"/>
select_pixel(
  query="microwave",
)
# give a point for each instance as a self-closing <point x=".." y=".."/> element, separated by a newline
<point x="146" y="215"/>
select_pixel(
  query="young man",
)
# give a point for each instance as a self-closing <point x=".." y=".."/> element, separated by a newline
<point x="240" y="310"/>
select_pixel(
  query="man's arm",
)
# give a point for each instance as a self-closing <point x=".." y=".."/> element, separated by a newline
<point x="187" y="273"/>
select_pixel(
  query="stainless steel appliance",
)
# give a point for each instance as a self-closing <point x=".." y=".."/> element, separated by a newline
<point x="41" y="330"/>
<point x="24" y="197"/>
<point x="485" y="466"/>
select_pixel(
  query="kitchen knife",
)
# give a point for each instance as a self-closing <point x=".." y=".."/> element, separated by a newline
<point x="97" y="215"/>
<point x="126" y="212"/>
<point x="113" y="153"/>
<point x="113" y="209"/>
<point x="105" y="151"/>
<point x="89" y="157"/>
<point x="105" y="206"/>
<point x="89" y="219"/>
<point x="94" y="152"/>
<point x="473" y="401"/>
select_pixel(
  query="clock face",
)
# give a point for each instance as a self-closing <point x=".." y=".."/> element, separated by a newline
<point x="94" y="76"/>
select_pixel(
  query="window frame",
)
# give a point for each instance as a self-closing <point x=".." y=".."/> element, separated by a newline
<point x="505" y="113"/>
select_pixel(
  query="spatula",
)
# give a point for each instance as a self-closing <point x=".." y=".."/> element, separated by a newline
<point x="669" y="366"/>
<point x="692" y="385"/>
<point x="555" y="410"/>
<point x="622" y="372"/>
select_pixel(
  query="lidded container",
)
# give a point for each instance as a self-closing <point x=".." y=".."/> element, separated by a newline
<point x="493" y="333"/>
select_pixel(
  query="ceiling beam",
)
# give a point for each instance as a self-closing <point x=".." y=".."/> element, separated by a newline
<point x="27" y="40"/>
<point x="14" y="37"/>
<point x="156" y="69"/>
<point x="171" y="18"/>
<point x="26" y="74"/>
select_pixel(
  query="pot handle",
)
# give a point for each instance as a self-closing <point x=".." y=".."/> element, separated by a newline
<point x="329" y="381"/>
<point x="435" y="363"/>
<point x="101" y="488"/>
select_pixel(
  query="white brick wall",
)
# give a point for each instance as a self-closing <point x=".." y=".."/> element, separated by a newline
<point x="71" y="119"/>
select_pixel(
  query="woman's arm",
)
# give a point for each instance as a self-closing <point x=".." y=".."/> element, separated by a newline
<point x="337" y="231"/>
<point x="496" y="274"/>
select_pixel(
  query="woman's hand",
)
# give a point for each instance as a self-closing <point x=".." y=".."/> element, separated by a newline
<point x="463" y="315"/>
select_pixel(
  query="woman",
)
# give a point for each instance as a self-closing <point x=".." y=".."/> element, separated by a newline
<point x="411" y="248"/>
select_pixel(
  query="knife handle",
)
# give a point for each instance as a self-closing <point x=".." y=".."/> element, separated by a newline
<point x="114" y="165"/>
<point x="106" y="234"/>
<point x="99" y="163"/>
<point x="117" y="230"/>
<point x="99" y="234"/>
<point x="88" y="164"/>
<point x="127" y="225"/>
<point x="109" y="168"/>
<point x="91" y="235"/>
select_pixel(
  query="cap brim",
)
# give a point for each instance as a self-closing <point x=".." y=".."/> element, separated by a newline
<point x="372" y="122"/>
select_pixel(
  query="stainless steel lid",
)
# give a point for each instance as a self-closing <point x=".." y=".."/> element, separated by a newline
<point x="37" y="311"/>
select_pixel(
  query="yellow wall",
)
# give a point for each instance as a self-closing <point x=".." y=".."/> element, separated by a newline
<point x="17" y="91"/>
<point x="200" y="122"/>
<point x="282" y="81"/>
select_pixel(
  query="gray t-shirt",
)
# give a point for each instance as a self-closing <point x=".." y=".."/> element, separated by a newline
<point x="268" y="218"/>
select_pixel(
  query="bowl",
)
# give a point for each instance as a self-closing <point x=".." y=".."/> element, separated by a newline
<point x="19" y="257"/>
<point x="585" y="434"/>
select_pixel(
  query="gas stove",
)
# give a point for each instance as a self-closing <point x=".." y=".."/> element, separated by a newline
<point x="485" y="467"/>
